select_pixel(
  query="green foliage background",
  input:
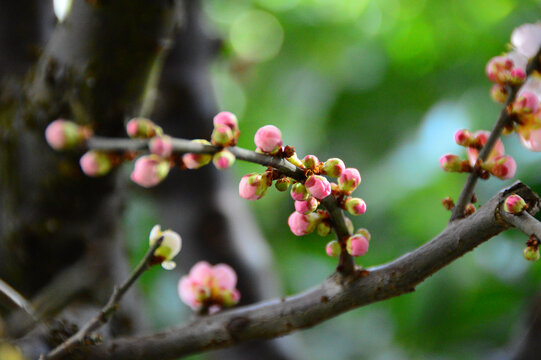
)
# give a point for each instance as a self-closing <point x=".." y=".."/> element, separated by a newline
<point x="383" y="85"/>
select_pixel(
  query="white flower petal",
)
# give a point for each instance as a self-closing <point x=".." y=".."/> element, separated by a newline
<point x="155" y="234"/>
<point x="173" y="241"/>
<point x="169" y="265"/>
<point x="527" y="39"/>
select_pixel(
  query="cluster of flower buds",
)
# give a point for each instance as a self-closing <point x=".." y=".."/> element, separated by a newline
<point x="168" y="249"/>
<point x="356" y="245"/>
<point x="498" y="164"/>
<point x="64" y="135"/>
<point x="209" y="288"/>
<point x="226" y="133"/>
<point x="507" y="71"/>
<point x="307" y="194"/>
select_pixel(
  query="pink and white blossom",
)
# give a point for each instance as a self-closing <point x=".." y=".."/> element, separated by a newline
<point x="526" y="39"/>
<point x="209" y="287"/>
<point x="503" y="167"/>
<point x="481" y="138"/>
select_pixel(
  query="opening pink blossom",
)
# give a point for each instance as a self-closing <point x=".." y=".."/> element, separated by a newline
<point x="481" y="137"/>
<point x="210" y="287"/>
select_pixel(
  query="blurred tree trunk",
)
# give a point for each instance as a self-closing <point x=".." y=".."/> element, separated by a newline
<point x="60" y="237"/>
<point x="94" y="69"/>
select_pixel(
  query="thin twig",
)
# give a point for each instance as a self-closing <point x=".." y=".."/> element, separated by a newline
<point x="16" y="298"/>
<point x="503" y="120"/>
<point x="346" y="263"/>
<point x="108" y="310"/>
<point x="523" y="222"/>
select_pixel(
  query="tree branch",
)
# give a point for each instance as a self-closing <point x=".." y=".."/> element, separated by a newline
<point x="523" y="222"/>
<point x="334" y="296"/>
<point x="346" y="263"/>
<point x="103" y="316"/>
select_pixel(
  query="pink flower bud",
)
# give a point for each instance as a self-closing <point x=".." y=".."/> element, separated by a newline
<point x="355" y="206"/>
<point x="498" y="92"/>
<point x="301" y="224"/>
<point x="503" y="167"/>
<point x="514" y="204"/>
<point x="517" y="76"/>
<point x="161" y="146"/>
<point x="282" y="184"/>
<point x="268" y="139"/>
<point x="209" y="287"/>
<point x="150" y="170"/>
<point x="62" y="134"/>
<point x="310" y="162"/>
<point x="364" y="232"/>
<point x="307" y="206"/>
<point x="357" y="245"/>
<point x="527" y="39"/>
<point x="142" y="128"/>
<point x="481" y="137"/>
<point x="195" y="161"/>
<point x="95" y="163"/>
<point x="451" y="163"/>
<point x="299" y="192"/>
<point x="318" y="186"/>
<point x="349" y="180"/>
<point x="222" y="135"/>
<point x="333" y="167"/>
<point x="463" y="137"/>
<point x="333" y="248"/>
<point x="229" y="298"/>
<point x="526" y="103"/>
<point x="324" y="228"/>
<point x="223" y="159"/>
<point x="498" y="69"/>
<point x="228" y="119"/>
<point x="253" y="186"/>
